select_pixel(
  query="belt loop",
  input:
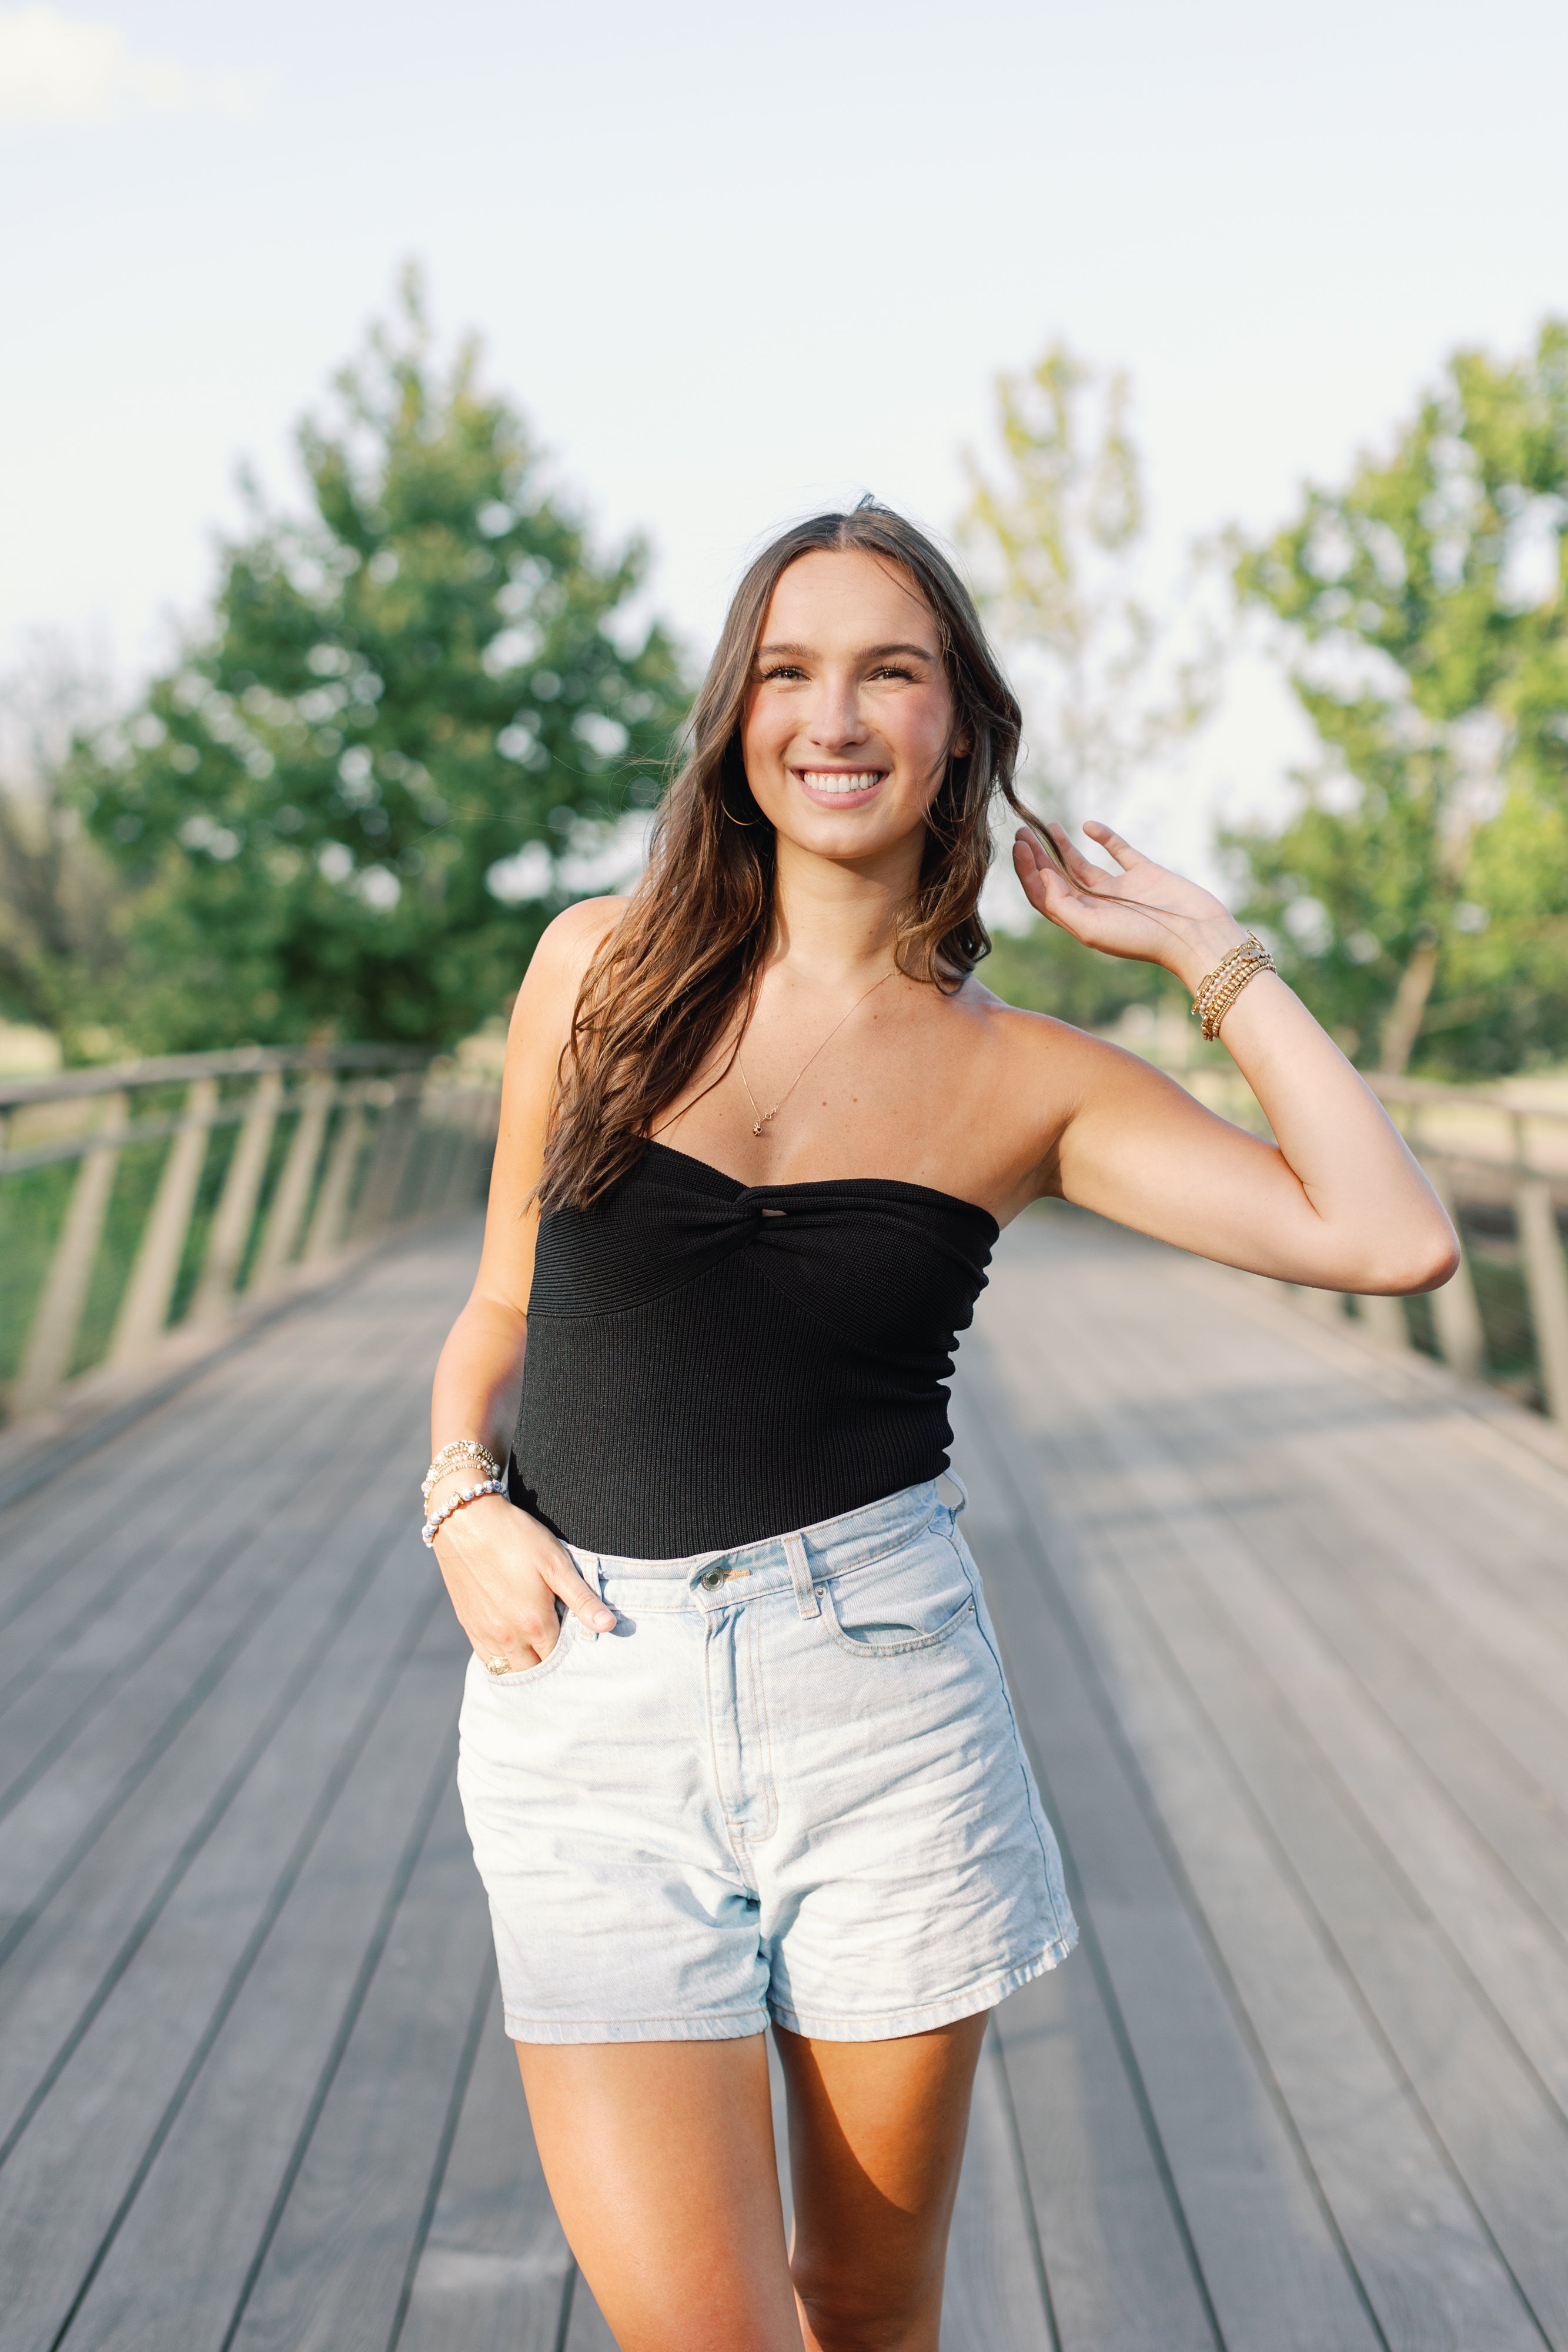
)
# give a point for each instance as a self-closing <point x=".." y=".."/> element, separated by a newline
<point x="800" y="1572"/>
<point x="953" y="1478"/>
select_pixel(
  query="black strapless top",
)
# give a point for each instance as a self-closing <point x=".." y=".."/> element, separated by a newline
<point x="710" y="1362"/>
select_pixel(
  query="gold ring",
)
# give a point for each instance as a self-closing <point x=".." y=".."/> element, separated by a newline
<point x="498" y="1664"/>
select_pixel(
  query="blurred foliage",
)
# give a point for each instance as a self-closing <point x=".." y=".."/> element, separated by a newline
<point x="321" y="807"/>
<point x="1046" y="970"/>
<point x="1418" y="894"/>
<point x="63" y="904"/>
<point x="1055" y="543"/>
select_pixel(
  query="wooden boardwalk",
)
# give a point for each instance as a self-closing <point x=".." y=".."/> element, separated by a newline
<point x="1288" y="1626"/>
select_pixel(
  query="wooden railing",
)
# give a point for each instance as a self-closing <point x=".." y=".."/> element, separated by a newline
<point x="1500" y="1161"/>
<point x="164" y="1193"/>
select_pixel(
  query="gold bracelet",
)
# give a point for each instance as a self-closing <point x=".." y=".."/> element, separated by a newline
<point x="460" y="1449"/>
<point x="1248" y="951"/>
<point x="1218" y="989"/>
<point x="1244" y="949"/>
<point x="1221" y="997"/>
<point x="1220" y="1002"/>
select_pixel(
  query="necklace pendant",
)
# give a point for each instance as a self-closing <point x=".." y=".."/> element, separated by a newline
<point x="757" y="1128"/>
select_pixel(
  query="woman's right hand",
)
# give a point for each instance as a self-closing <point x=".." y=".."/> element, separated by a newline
<point x="506" y="1573"/>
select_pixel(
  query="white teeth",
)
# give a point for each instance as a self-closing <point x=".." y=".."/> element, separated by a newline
<point x="835" y="780"/>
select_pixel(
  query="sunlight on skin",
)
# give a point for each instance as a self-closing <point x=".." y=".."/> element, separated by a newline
<point x="850" y="689"/>
<point x="660" y="2159"/>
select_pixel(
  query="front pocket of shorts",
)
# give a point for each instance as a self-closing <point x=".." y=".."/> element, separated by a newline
<point x="526" y="1675"/>
<point x="914" y="1599"/>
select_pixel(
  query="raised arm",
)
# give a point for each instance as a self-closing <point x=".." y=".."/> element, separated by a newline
<point x="1336" y="1200"/>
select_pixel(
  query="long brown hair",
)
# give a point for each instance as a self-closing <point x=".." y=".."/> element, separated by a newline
<point x="689" y="949"/>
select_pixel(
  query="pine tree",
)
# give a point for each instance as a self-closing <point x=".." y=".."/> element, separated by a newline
<point x="348" y="805"/>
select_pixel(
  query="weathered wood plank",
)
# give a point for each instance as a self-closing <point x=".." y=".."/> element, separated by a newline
<point x="145" y="1650"/>
<point x="257" y="1457"/>
<point x="588" y="2329"/>
<point x="493" y="2272"/>
<point x="1437" y="1482"/>
<point x="1391" y="1585"/>
<point x="1470" y="2081"/>
<point x="384" y="1304"/>
<point x="1428" y="2268"/>
<point x="1289" y="1635"/>
<point x="335" y="2271"/>
<point x="91" y="1524"/>
<point x="993" y="2298"/>
<point x="67" y="1808"/>
<point x="1497" y="1747"/>
<point x="278" y="1717"/>
<point x="183" y="2256"/>
<point x="1521" y="1964"/>
<point x="338" y="1409"/>
<point x="1117" y="2258"/>
<point x="1274" y="2268"/>
<point x="76" y="2184"/>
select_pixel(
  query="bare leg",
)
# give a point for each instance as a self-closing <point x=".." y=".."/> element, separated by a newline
<point x="876" y="2140"/>
<point x="659" y="2156"/>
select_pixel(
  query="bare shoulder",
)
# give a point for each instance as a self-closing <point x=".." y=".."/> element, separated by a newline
<point x="568" y="945"/>
<point x="1029" y="1038"/>
<point x="1035" y="1050"/>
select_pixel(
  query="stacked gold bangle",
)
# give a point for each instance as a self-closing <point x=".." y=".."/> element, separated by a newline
<point x="1218" y="992"/>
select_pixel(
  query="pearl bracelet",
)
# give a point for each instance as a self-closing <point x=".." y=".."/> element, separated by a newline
<point x="455" y="1503"/>
<point x="461" y="1449"/>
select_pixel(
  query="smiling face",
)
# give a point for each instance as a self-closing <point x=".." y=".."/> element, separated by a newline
<point x="849" y="719"/>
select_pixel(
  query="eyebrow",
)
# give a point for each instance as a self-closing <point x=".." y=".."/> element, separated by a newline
<point x="868" y="652"/>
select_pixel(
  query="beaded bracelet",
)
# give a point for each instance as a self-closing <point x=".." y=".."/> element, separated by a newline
<point x="1250" y="946"/>
<point x="1247" y="950"/>
<point x="438" y="1519"/>
<point x="461" y="1449"/>
<point x="1218" y="991"/>
<point x="1220" y="1002"/>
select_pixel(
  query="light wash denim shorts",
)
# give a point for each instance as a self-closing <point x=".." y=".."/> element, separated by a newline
<point x="789" y="1784"/>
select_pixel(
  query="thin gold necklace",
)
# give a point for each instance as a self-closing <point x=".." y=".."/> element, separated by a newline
<point x="761" y="1118"/>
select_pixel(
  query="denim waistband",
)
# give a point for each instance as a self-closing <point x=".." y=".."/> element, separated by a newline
<point x="718" y="1580"/>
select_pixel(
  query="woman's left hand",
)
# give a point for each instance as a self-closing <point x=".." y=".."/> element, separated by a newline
<point x="1145" y="912"/>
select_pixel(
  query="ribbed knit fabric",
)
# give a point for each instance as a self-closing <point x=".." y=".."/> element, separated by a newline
<point x="710" y="1362"/>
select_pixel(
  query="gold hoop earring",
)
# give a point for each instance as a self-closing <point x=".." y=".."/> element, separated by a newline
<point x="745" y="822"/>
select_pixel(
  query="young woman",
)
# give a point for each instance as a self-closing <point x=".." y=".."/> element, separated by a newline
<point x="736" y="1744"/>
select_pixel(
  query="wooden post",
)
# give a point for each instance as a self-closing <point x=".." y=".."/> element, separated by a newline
<point x="144" y="1309"/>
<point x="377" y="1203"/>
<point x="1546" y="1279"/>
<point x="1383" y="1319"/>
<point x="287" y="1213"/>
<point x="443" y="1141"/>
<point x="56" y="1318"/>
<point x="1456" y="1310"/>
<point x="1323" y="1306"/>
<point x="236" y="1208"/>
<point x="463" y="1176"/>
<point x="326" y="1232"/>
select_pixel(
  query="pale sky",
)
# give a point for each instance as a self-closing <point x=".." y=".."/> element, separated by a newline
<point x="735" y="262"/>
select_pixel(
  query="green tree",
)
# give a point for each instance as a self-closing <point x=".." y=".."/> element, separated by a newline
<point x="1045" y="970"/>
<point x="63" y="906"/>
<point x="354" y="803"/>
<point x="1419" y="891"/>
<point x="1056" y="541"/>
<point x="1055" y="530"/>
